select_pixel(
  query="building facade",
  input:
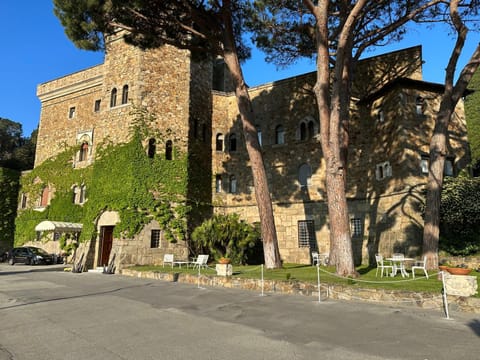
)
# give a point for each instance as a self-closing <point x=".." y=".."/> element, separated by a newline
<point x="392" y="117"/>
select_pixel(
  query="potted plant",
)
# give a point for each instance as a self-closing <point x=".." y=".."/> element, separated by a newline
<point x="459" y="270"/>
<point x="224" y="260"/>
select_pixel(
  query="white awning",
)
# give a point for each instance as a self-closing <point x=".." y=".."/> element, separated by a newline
<point x="58" y="226"/>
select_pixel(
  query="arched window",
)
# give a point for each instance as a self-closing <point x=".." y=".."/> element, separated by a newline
<point x="204" y="133"/>
<point x="419" y="102"/>
<point x="24" y="201"/>
<point x="232" y="141"/>
<point x="304" y="175"/>
<point x="125" y="94"/>
<point x="279" y="135"/>
<point x="218" y="183"/>
<point x="113" y="97"/>
<point x="45" y="196"/>
<point x="233" y="184"/>
<point x="195" y="128"/>
<point x="311" y="129"/>
<point x="259" y="134"/>
<point x="168" y="150"/>
<point x="83" y="194"/>
<point x="303" y="131"/>
<point x="219" y="142"/>
<point x="152" y="148"/>
<point x="75" y="192"/>
<point x="83" y="156"/>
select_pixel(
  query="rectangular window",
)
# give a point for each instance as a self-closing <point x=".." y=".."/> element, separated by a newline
<point x="356" y="227"/>
<point x="424" y="163"/>
<point x="306" y="233"/>
<point x="155" y="239"/>
<point x="218" y="183"/>
<point x="383" y="170"/>
<point x="97" y="105"/>
<point x="448" y="167"/>
<point x="71" y="112"/>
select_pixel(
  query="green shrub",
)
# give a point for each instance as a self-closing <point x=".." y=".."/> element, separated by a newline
<point x="228" y="236"/>
<point x="460" y="216"/>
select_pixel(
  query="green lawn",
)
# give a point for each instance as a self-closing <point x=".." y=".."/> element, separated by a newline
<point x="306" y="273"/>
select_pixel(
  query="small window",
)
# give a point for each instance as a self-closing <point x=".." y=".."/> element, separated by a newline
<point x="303" y="131"/>
<point x="83" y="156"/>
<point x="204" y="133"/>
<point x="233" y="184"/>
<point x="195" y="128"/>
<point x="306" y="233"/>
<point x="259" y="135"/>
<point x="168" y="150"/>
<point x="419" y="104"/>
<point x="448" y="169"/>
<point x="75" y="192"/>
<point x="311" y="129"/>
<point x="381" y="116"/>
<point x="155" y="239"/>
<point x="97" y="105"/>
<point x="23" y="201"/>
<point x="83" y="194"/>
<point x="424" y="161"/>
<point x="383" y="170"/>
<point x="279" y="135"/>
<point x="232" y="142"/>
<point x="113" y="98"/>
<point x="304" y="175"/>
<point x="219" y="142"/>
<point x="218" y="183"/>
<point x="356" y="227"/>
<point x="125" y="94"/>
<point x="152" y="148"/>
<point x="71" y="112"/>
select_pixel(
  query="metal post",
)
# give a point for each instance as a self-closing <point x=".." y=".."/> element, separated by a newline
<point x="198" y="277"/>
<point x="318" y="282"/>
<point x="444" y="291"/>
<point x="262" y="281"/>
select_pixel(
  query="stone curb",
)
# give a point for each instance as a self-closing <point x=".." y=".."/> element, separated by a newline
<point x="328" y="291"/>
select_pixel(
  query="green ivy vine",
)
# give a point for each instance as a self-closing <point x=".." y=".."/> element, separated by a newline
<point x="122" y="178"/>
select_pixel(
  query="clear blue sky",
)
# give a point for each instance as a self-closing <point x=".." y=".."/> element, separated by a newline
<point x="35" y="50"/>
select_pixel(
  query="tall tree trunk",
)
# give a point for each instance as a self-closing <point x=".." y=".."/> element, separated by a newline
<point x="332" y="134"/>
<point x="438" y="143"/>
<point x="262" y="193"/>
<point x="431" y="230"/>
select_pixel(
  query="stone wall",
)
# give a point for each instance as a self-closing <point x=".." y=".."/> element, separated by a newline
<point x="328" y="291"/>
<point x="387" y="208"/>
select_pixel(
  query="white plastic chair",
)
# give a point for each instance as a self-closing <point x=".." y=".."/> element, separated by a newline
<point x="420" y="265"/>
<point x="319" y="259"/>
<point x="200" y="261"/>
<point x="381" y="265"/>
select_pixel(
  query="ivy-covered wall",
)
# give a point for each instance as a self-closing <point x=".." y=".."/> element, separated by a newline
<point x="9" y="184"/>
<point x="123" y="179"/>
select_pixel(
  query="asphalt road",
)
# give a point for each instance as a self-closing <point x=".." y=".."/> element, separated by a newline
<point x="47" y="314"/>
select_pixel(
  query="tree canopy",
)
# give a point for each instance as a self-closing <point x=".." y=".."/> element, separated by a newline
<point x="16" y="151"/>
<point x="206" y="27"/>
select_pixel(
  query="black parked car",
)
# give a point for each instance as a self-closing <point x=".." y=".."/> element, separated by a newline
<point x="29" y="255"/>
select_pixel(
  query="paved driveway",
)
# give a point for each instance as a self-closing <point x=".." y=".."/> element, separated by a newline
<point x="51" y="315"/>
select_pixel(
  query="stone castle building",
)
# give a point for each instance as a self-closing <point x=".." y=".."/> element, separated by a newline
<point x="392" y="116"/>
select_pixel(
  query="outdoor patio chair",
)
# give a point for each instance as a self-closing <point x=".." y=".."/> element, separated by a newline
<point x="200" y="261"/>
<point x="319" y="259"/>
<point x="381" y="265"/>
<point x="420" y="265"/>
<point x="168" y="259"/>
